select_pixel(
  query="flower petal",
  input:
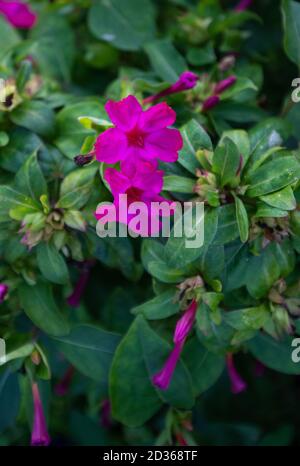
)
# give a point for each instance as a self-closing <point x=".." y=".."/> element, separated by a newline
<point x="125" y="113"/>
<point x="157" y="117"/>
<point x="118" y="182"/>
<point x="149" y="182"/>
<point x="111" y="146"/>
<point x="164" y="144"/>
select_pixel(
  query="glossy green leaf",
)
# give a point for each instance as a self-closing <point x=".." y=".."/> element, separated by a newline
<point x="34" y="115"/>
<point x="52" y="264"/>
<point x="39" y="305"/>
<point x="226" y="161"/>
<point x="194" y="138"/>
<point x="242" y="219"/>
<point x="76" y="188"/>
<point x="283" y="199"/>
<point x="90" y="349"/>
<point x="30" y="179"/>
<point x="159" y="307"/>
<point x="139" y="356"/>
<point x="291" y="26"/>
<point x="127" y="25"/>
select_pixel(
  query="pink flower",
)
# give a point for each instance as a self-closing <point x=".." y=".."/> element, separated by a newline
<point x="243" y="5"/>
<point x="224" y="84"/>
<point x="138" y="134"/>
<point x="210" y="103"/>
<point x="238" y="385"/>
<point x="140" y="183"/>
<point x="39" y="435"/>
<point x="184" y="325"/>
<point x="18" y="14"/>
<point x="62" y="388"/>
<point x="163" y="378"/>
<point x="186" y="81"/>
<point x="3" y="292"/>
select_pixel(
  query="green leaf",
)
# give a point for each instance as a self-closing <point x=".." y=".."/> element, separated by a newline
<point x="250" y="318"/>
<point x="76" y="188"/>
<point x="53" y="46"/>
<point x="9" y="36"/>
<point x="127" y="25"/>
<point x="71" y="134"/>
<point x="264" y="210"/>
<point x="179" y="184"/>
<point x="226" y="161"/>
<point x="159" y="307"/>
<point x="164" y="273"/>
<point x="283" y="199"/>
<point x="9" y="398"/>
<point x="140" y="355"/>
<point x="242" y="219"/>
<point x="227" y="225"/>
<point x="34" y="115"/>
<point x="275" y="354"/>
<point x="30" y="179"/>
<point x="262" y="272"/>
<point x="52" y="264"/>
<point x="183" y="249"/>
<point x="12" y="199"/>
<point x="90" y="349"/>
<point x="194" y="138"/>
<point x="291" y="27"/>
<point x="165" y="60"/>
<point x="22" y="144"/>
<point x="205" y="367"/>
<point x="273" y="176"/>
<point x="240" y="138"/>
<point x="39" y="305"/>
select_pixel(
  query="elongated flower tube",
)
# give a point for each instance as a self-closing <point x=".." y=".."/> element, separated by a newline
<point x="163" y="378"/>
<point x="224" y="84"/>
<point x="242" y="5"/>
<point x="185" y="324"/>
<point x="74" y="299"/>
<point x="186" y="81"/>
<point x="210" y="103"/>
<point x="62" y="388"/>
<point x="3" y="292"/>
<point x="238" y="385"/>
<point x="18" y="14"/>
<point x="39" y="435"/>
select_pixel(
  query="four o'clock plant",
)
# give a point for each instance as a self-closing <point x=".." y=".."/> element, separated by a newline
<point x="144" y="340"/>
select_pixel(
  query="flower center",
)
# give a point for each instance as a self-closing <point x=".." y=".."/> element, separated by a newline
<point x="134" y="194"/>
<point x="135" y="137"/>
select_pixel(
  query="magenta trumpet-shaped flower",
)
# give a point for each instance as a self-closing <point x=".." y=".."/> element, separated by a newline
<point x="74" y="299"/>
<point x="39" y="435"/>
<point x="3" y="292"/>
<point x="62" y="387"/>
<point x="224" y="84"/>
<point x="137" y="134"/>
<point x="184" y="325"/>
<point x="242" y="5"/>
<point x="163" y="378"/>
<point x="18" y="14"/>
<point x="186" y="81"/>
<point x="210" y="103"/>
<point x="135" y="183"/>
<point x="238" y="385"/>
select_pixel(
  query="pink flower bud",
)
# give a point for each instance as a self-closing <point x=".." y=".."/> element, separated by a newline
<point x="238" y="385"/>
<point x="242" y="5"/>
<point x="210" y="103"/>
<point x="39" y="435"/>
<point x="185" y="323"/>
<point x="18" y="14"/>
<point x="186" y="81"/>
<point x="224" y="84"/>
